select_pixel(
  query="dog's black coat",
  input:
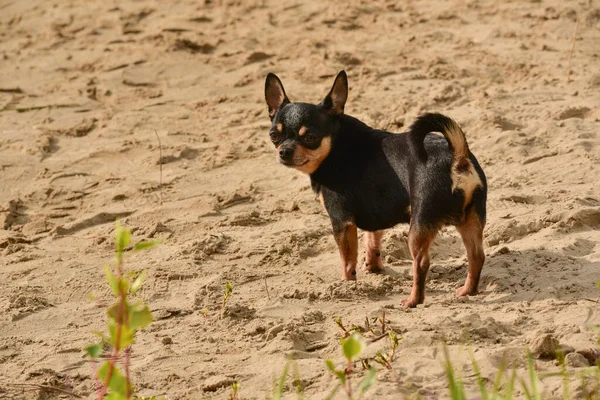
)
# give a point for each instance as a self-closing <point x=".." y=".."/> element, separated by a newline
<point x="371" y="177"/>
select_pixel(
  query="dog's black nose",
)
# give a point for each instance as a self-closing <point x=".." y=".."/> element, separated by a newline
<point x="286" y="153"/>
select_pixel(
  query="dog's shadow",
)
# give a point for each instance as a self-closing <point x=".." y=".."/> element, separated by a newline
<point x="525" y="275"/>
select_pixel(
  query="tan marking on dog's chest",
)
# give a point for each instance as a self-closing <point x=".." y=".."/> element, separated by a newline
<point x="314" y="157"/>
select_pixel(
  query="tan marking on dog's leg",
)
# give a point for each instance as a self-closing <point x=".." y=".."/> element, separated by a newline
<point x="472" y="235"/>
<point x="347" y="241"/>
<point x="302" y="131"/>
<point x="419" y="243"/>
<point x="373" y="261"/>
<point x="322" y="200"/>
<point x="465" y="177"/>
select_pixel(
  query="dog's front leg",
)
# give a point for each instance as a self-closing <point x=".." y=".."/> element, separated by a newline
<point x="347" y="241"/>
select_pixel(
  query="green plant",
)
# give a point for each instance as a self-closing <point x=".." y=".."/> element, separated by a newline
<point x="531" y="390"/>
<point x="352" y="348"/>
<point x="280" y="385"/>
<point x="226" y="295"/>
<point x="386" y="359"/>
<point x="235" y="389"/>
<point x="124" y="319"/>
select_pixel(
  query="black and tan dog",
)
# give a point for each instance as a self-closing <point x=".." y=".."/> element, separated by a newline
<point x="372" y="179"/>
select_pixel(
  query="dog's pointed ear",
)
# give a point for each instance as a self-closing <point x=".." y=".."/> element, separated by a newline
<point x="335" y="100"/>
<point x="274" y="94"/>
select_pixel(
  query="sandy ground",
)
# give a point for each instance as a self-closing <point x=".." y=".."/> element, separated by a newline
<point x="84" y="85"/>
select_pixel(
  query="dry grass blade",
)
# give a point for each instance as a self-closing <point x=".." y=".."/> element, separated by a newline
<point x="160" y="166"/>
<point x="267" y="288"/>
<point x="572" y="49"/>
<point x="35" y="386"/>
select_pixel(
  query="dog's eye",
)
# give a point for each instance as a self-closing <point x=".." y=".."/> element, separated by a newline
<point x="274" y="136"/>
<point x="310" y="138"/>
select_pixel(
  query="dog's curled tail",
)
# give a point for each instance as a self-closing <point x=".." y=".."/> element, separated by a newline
<point x="433" y="122"/>
<point x="463" y="173"/>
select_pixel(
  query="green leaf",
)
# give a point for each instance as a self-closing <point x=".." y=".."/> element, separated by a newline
<point x="102" y="336"/>
<point x="113" y="312"/>
<point x="526" y="391"/>
<point x="339" y="374"/>
<point x="565" y="375"/>
<point x="330" y="366"/>
<point x="126" y="338"/>
<point x="480" y="381"/>
<point x="367" y="381"/>
<point x="297" y="381"/>
<point x="353" y="346"/>
<point x="535" y="391"/>
<point x="112" y="280"/>
<point x="115" y="396"/>
<point x="137" y="284"/>
<point x="457" y="391"/>
<point x="145" y="245"/>
<point x="511" y="384"/>
<point x="122" y="238"/>
<point x="394" y="339"/>
<point x="333" y="392"/>
<point x="228" y="290"/>
<point x="118" y="382"/>
<point x="499" y="376"/>
<point x="94" y="350"/>
<point x="278" y="391"/>
<point x="139" y="319"/>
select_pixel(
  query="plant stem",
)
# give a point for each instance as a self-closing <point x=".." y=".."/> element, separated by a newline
<point x="127" y="360"/>
<point x="348" y="372"/>
<point x="120" y="317"/>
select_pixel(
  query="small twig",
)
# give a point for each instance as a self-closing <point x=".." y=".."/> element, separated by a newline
<point x="45" y="387"/>
<point x="377" y="338"/>
<point x="33" y="108"/>
<point x="383" y="322"/>
<point x="160" y="165"/>
<point x="267" y="287"/>
<point x="340" y="324"/>
<point x="572" y="49"/>
<point x="80" y="237"/>
<point x="42" y="358"/>
<point x="592" y="300"/>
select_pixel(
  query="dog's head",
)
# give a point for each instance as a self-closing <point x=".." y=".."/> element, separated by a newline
<point x="302" y="133"/>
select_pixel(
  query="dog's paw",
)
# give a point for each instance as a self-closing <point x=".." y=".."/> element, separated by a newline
<point x="466" y="291"/>
<point x="374" y="269"/>
<point x="349" y="275"/>
<point x="411" y="302"/>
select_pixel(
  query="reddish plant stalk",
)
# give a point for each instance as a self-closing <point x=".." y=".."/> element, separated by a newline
<point x="120" y="318"/>
<point x="127" y="358"/>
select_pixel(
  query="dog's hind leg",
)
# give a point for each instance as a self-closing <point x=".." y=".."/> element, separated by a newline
<point x="347" y="241"/>
<point x="373" y="261"/>
<point x="472" y="235"/>
<point x="419" y="242"/>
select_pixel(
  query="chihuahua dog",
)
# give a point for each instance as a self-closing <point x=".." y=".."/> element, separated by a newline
<point x="372" y="179"/>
